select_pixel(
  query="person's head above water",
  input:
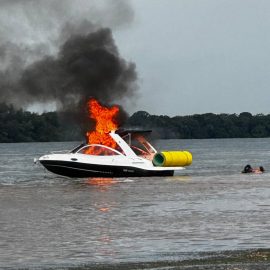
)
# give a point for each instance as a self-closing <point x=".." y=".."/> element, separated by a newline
<point x="247" y="169"/>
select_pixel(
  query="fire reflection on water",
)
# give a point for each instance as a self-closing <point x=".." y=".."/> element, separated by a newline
<point x="104" y="209"/>
<point x="104" y="204"/>
<point x="103" y="183"/>
<point x="178" y="178"/>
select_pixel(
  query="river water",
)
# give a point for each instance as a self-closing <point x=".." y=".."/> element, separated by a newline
<point x="52" y="221"/>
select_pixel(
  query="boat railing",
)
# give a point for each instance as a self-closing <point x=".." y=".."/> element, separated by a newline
<point x="101" y="146"/>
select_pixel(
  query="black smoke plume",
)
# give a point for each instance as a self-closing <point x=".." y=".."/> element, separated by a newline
<point x="86" y="66"/>
<point x="81" y="62"/>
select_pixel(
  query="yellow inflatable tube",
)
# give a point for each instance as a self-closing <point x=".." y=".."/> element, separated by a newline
<point x="172" y="159"/>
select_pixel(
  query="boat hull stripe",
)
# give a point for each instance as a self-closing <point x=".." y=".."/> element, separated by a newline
<point x="76" y="169"/>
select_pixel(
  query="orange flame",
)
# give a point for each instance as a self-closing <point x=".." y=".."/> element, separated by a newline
<point x="105" y="122"/>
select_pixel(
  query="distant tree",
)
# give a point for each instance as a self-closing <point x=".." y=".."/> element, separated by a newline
<point x="23" y="126"/>
<point x="207" y="125"/>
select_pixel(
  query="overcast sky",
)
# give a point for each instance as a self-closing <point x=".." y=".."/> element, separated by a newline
<point x="192" y="56"/>
<point x="198" y="56"/>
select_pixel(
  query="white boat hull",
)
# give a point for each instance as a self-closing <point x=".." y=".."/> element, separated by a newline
<point x="76" y="165"/>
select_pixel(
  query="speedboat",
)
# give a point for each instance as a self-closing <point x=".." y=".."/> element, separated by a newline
<point x="132" y="157"/>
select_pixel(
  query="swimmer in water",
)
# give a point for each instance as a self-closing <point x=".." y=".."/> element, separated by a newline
<point x="249" y="169"/>
<point x="258" y="170"/>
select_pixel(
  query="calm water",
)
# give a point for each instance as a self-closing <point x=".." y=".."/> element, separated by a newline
<point x="47" y="220"/>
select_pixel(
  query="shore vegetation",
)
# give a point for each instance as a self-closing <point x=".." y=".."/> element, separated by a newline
<point x="17" y="125"/>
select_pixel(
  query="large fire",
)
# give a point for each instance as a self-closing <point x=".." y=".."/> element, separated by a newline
<point x="105" y="119"/>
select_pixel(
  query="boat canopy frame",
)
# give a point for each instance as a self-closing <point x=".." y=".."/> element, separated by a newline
<point x="98" y="145"/>
<point x="119" y="136"/>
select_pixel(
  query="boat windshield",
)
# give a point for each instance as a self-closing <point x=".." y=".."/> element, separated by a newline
<point x="140" y="146"/>
<point x="98" y="150"/>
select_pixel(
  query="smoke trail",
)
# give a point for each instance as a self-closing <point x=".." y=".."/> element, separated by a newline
<point x="86" y="66"/>
<point x="52" y="52"/>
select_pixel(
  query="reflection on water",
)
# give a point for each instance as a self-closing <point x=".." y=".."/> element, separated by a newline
<point x="101" y="182"/>
<point x="178" y="178"/>
<point x="50" y="220"/>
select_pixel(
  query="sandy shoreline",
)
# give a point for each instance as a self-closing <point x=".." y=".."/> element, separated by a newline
<point x="255" y="259"/>
<point x="229" y="260"/>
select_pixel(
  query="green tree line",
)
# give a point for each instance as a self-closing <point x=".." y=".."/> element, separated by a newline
<point x="17" y="125"/>
<point x="204" y="126"/>
<point x="24" y="126"/>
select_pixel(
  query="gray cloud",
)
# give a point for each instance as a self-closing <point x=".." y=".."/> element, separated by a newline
<point x="86" y="66"/>
<point x="39" y="27"/>
<point x="201" y="56"/>
<point x="63" y="51"/>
